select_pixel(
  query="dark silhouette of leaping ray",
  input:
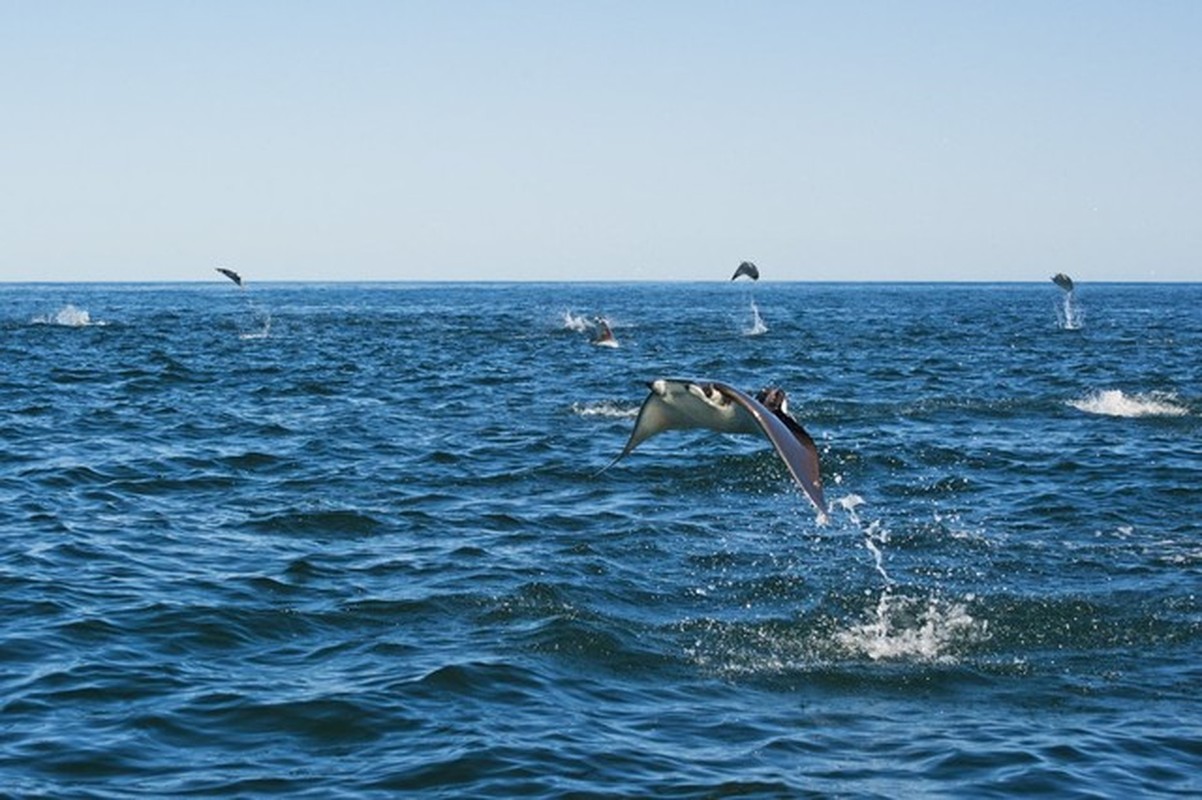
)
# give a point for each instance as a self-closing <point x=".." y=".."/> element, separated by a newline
<point x="748" y="269"/>
<point x="680" y="404"/>
<point x="1063" y="281"/>
<point x="229" y="273"/>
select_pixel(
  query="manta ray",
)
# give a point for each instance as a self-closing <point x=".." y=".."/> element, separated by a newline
<point x="229" y="273"/>
<point x="683" y="404"/>
<point x="606" y="337"/>
<point x="1063" y="281"/>
<point x="748" y="269"/>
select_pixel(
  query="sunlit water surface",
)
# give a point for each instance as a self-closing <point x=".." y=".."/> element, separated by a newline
<point x="349" y="540"/>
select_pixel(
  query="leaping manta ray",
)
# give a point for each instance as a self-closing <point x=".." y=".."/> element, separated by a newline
<point x="606" y="337"/>
<point x="229" y="273"/>
<point x="748" y="269"/>
<point x="682" y="404"/>
<point x="1063" y="281"/>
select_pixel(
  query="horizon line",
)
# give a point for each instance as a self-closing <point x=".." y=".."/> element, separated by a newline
<point x="532" y="281"/>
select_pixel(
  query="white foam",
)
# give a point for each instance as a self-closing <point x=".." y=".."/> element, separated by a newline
<point x="68" y="316"/>
<point x="897" y="628"/>
<point x="605" y="409"/>
<point x="1070" y="316"/>
<point x="576" y="322"/>
<point x="904" y="628"/>
<point x="757" y="322"/>
<point x="1116" y="403"/>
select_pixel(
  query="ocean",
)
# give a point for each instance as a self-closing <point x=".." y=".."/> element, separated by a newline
<point x="350" y="540"/>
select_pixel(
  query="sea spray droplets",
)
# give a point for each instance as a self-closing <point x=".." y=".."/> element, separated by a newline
<point x="908" y="628"/>
<point x="576" y="322"/>
<point x="757" y="326"/>
<point x="875" y="534"/>
<point x="850" y="503"/>
<point x="1069" y="315"/>
<point x="902" y="627"/>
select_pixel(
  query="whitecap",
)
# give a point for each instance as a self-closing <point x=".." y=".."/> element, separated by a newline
<point x="1116" y="403"/>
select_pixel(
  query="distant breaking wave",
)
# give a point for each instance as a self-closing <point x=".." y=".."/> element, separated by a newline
<point x="1115" y="403"/>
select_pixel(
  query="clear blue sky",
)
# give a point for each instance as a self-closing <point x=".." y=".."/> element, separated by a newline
<point x="600" y="140"/>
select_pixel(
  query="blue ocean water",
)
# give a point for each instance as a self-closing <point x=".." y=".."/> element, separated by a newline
<point x="348" y="540"/>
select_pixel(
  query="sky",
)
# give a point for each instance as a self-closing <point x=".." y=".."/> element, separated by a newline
<point x="600" y="140"/>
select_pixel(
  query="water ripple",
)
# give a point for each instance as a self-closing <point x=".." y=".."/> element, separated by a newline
<point x="364" y="550"/>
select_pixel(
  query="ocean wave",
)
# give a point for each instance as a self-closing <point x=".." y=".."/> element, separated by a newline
<point x="371" y="555"/>
<point x="1116" y="403"/>
<point x="318" y="522"/>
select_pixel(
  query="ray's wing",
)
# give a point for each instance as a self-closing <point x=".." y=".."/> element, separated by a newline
<point x="792" y="444"/>
<point x="657" y="415"/>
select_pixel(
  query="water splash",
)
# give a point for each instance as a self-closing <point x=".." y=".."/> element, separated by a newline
<point x="909" y="628"/>
<point x="757" y="327"/>
<point x="1069" y="316"/>
<point x="1115" y="403"/>
<point x="900" y="627"/>
<point x="68" y="316"/>
<point x="576" y="322"/>
<point x="875" y="534"/>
